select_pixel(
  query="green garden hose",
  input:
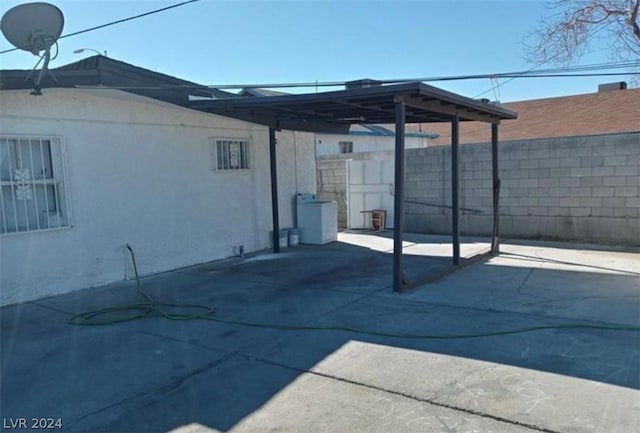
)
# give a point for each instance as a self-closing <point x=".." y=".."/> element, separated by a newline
<point x="139" y="311"/>
<point x="204" y="312"/>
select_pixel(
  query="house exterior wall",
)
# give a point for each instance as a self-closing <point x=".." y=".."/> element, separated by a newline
<point x="327" y="144"/>
<point x="296" y="173"/>
<point x="140" y="173"/>
<point x="574" y="188"/>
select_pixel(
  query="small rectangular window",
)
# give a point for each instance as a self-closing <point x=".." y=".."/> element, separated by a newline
<point x="346" y="146"/>
<point x="32" y="180"/>
<point x="230" y="154"/>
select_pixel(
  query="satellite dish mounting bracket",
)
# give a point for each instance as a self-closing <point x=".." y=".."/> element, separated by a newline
<point x="34" y="27"/>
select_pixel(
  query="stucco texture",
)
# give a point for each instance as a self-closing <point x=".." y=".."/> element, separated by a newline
<point x="140" y="172"/>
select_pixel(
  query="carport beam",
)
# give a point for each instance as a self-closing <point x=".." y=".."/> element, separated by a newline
<point x="274" y="190"/>
<point x="455" y="188"/>
<point x="495" y="239"/>
<point x="398" y="207"/>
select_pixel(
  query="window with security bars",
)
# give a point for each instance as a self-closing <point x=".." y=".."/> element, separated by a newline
<point x="231" y="154"/>
<point x="346" y="146"/>
<point x="33" y="184"/>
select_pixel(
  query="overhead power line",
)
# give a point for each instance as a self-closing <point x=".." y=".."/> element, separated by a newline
<point x="498" y="85"/>
<point x="540" y="73"/>
<point x="592" y="67"/>
<point x="112" y="23"/>
<point x="342" y="83"/>
<point x="530" y="73"/>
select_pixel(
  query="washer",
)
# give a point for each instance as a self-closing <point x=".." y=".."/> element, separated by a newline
<point x="317" y="220"/>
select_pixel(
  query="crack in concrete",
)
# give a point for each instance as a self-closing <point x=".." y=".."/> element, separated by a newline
<point x="48" y="307"/>
<point x="578" y="298"/>
<point x="178" y="340"/>
<point x="517" y="313"/>
<point x="549" y="260"/>
<point x="157" y="389"/>
<point x="170" y="385"/>
<point x="402" y="394"/>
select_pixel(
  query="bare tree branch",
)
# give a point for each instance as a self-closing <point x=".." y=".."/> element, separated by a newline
<point x="567" y="33"/>
<point x="633" y="20"/>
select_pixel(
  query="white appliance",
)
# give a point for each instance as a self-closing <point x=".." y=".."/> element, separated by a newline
<point x="317" y="220"/>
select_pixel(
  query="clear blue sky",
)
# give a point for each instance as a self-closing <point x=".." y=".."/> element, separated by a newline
<point x="224" y="42"/>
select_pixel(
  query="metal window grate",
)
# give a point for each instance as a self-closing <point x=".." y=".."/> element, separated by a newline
<point x="346" y="146"/>
<point x="231" y="154"/>
<point x="32" y="180"/>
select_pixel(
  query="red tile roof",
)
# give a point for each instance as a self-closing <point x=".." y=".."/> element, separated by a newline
<point x="595" y="113"/>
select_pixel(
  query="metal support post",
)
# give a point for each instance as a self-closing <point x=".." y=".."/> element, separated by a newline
<point x="398" y="208"/>
<point x="495" y="240"/>
<point x="455" y="188"/>
<point x="274" y="190"/>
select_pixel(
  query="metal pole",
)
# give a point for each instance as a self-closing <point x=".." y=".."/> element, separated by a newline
<point x="398" y="208"/>
<point x="455" y="188"/>
<point x="274" y="190"/>
<point x="495" y="241"/>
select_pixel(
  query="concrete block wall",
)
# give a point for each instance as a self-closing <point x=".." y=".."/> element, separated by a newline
<point x="575" y="188"/>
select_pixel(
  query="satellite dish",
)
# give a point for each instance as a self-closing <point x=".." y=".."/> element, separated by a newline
<point x="33" y="27"/>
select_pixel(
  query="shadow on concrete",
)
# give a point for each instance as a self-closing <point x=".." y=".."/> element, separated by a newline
<point x="158" y="375"/>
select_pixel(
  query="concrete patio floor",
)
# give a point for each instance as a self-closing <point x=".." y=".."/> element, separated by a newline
<point x="157" y="375"/>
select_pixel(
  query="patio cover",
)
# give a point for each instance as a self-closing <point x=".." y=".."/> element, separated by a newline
<point x="335" y="111"/>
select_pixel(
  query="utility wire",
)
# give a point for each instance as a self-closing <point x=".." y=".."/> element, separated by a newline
<point x="538" y="64"/>
<point x="498" y="86"/>
<point x="513" y="75"/>
<point x="592" y="67"/>
<point x="342" y="83"/>
<point x="112" y="23"/>
<point x="530" y="70"/>
<point x="496" y="76"/>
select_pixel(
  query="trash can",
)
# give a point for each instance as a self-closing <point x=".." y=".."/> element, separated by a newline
<point x="378" y="218"/>
<point x="294" y="237"/>
<point x="284" y="238"/>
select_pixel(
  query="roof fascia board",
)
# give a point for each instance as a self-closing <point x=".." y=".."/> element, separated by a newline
<point x="16" y="79"/>
<point x="495" y="110"/>
<point x="414" y="92"/>
<point x="452" y="109"/>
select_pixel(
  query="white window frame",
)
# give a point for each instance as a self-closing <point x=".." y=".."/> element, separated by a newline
<point x="30" y="199"/>
<point x="345" y="147"/>
<point x="230" y="154"/>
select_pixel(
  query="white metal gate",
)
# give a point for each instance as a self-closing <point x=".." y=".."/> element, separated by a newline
<point x="370" y="185"/>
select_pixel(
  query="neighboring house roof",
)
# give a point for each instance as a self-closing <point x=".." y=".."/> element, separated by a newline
<point x="97" y="71"/>
<point x="604" y="112"/>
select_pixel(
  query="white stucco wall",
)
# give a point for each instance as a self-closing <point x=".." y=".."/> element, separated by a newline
<point x="140" y="173"/>
<point x="327" y="144"/>
<point x="296" y="172"/>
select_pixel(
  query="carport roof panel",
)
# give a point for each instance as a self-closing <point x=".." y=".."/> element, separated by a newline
<point x="339" y="109"/>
